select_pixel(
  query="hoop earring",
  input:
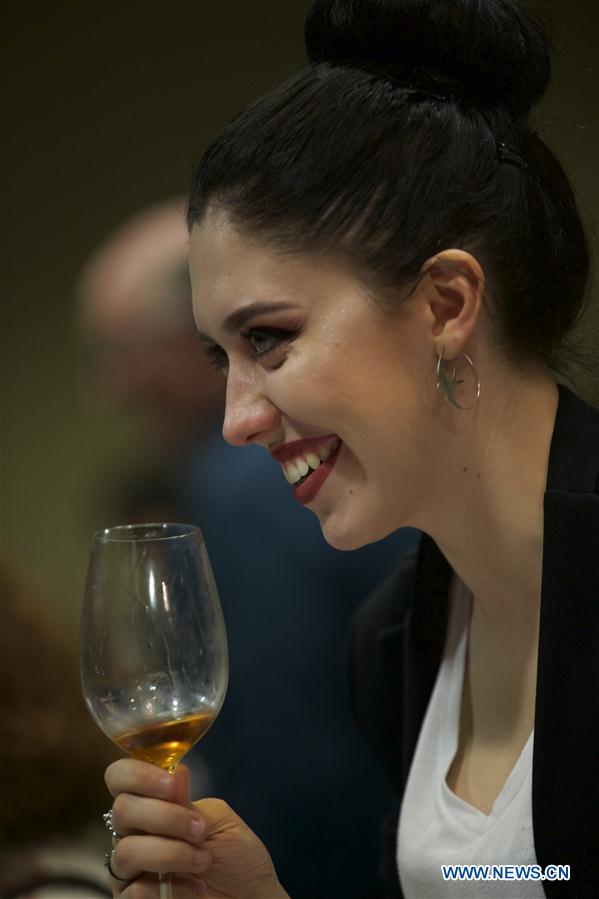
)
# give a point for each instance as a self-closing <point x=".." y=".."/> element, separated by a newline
<point x="446" y="384"/>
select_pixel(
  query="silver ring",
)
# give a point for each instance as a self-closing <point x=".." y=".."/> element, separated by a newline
<point x="107" y="863"/>
<point x="107" y="818"/>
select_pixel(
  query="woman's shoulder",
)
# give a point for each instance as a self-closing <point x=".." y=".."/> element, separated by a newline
<point x="574" y="453"/>
<point x="574" y="406"/>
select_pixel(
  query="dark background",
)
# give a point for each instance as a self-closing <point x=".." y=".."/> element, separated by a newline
<point x="106" y="107"/>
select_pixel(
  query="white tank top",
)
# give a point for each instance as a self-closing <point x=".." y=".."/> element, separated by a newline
<point x="436" y="827"/>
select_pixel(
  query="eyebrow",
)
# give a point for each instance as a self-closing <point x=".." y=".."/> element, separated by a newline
<point x="238" y="319"/>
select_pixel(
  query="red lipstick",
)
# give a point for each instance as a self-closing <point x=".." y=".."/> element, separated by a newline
<point x="306" y="489"/>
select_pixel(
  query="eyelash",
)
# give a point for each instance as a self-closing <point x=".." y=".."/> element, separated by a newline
<point x="273" y="336"/>
<point x="216" y="356"/>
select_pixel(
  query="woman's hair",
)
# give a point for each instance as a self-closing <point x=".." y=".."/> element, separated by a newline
<point x="407" y="134"/>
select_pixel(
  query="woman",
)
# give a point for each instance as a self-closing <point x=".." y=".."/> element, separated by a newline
<point x="386" y="262"/>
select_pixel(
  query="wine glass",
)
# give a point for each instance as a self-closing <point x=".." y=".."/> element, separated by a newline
<point x="153" y="646"/>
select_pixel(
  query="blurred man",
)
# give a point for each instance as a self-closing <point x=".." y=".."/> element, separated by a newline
<point x="284" y="751"/>
<point x="136" y="319"/>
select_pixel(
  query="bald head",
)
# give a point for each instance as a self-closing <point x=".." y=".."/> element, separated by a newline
<point x="135" y="316"/>
<point x="128" y="278"/>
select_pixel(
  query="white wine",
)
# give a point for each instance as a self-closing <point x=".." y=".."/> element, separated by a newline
<point x="164" y="743"/>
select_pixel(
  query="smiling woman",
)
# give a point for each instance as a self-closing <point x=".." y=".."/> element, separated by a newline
<point x="339" y="362"/>
<point x="386" y="263"/>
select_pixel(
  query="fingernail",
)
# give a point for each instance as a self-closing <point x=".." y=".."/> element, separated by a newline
<point x="201" y="859"/>
<point x="166" y="786"/>
<point x="198" y="829"/>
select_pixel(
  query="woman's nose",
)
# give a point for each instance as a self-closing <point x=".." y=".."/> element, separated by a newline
<point x="249" y="416"/>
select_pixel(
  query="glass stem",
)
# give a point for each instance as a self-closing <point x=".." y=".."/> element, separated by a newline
<point x="165" y="880"/>
<point x="166" y="886"/>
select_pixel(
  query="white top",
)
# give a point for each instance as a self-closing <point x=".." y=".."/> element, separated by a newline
<point x="436" y="827"/>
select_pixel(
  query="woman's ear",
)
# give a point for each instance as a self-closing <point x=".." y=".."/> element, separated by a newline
<point x="453" y="291"/>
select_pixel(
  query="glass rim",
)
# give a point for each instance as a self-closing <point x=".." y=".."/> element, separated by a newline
<point x="136" y="533"/>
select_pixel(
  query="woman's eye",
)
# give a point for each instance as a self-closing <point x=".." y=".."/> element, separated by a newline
<point x="265" y="340"/>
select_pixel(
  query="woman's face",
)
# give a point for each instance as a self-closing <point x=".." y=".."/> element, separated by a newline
<point x="317" y="370"/>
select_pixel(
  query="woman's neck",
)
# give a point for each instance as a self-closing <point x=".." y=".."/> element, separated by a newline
<point x="489" y="518"/>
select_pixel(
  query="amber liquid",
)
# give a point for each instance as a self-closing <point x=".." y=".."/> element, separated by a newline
<point x="164" y="743"/>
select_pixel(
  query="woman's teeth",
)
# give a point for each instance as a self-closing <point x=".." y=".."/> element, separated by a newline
<point x="307" y="462"/>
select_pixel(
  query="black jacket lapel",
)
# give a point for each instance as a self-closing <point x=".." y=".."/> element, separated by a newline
<point x="565" y="791"/>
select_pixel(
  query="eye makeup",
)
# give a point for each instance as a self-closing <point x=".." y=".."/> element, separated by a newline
<point x="266" y="343"/>
<point x="215" y="353"/>
<point x="267" y="340"/>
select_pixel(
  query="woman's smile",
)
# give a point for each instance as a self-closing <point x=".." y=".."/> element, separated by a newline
<point x="307" y="464"/>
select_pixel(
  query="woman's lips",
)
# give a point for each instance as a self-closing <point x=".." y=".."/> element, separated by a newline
<point x="307" y="463"/>
<point x="306" y="490"/>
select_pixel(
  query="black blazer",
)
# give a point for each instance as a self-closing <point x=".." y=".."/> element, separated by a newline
<point x="397" y="639"/>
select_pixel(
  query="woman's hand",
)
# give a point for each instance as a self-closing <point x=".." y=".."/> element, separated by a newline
<point x="207" y="848"/>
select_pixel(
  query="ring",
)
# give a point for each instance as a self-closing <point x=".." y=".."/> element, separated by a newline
<point x="107" y="818"/>
<point x="107" y="863"/>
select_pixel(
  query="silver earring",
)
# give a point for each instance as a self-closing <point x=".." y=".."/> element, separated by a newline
<point x="446" y="384"/>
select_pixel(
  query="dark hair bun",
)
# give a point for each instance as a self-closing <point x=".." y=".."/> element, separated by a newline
<point x="487" y="52"/>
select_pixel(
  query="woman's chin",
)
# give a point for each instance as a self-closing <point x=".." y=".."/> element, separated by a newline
<point x="341" y="535"/>
<point x="348" y="532"/>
